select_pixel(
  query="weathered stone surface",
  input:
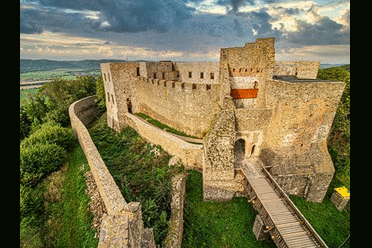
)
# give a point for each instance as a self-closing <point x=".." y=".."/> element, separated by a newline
<point x="175" y="224"/>
<point x="259" y="228"/>
<point x="339" y="201"/>
<point x="114" y="231"/>
<point x="96" y="205"/>
<point x="218" y="167"/>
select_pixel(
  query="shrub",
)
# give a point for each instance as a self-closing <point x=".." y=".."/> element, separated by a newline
<point x="100" y="92"/>
<point x="49" y="132"/>
<point x="31" y="201"/>
<point x="39" y="159"/>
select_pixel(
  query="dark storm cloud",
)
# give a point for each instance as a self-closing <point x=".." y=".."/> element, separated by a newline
<point x="235" y="4"/>
<point x="28" y="24"/>
<point x="120" y="15"/>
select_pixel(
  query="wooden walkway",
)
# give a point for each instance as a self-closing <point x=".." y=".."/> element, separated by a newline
<point x="287" y="226"/>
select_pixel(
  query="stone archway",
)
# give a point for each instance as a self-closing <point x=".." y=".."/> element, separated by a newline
<point x="239" y="150"/>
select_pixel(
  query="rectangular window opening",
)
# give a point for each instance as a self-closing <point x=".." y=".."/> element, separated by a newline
<point x="190" y="74"/>
<point x="212" y="75"/>
<point x="201" y="75"/>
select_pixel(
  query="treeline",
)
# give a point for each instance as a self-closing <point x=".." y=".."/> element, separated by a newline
<point x="339" y="138"/>
<point x="45" y="140"/>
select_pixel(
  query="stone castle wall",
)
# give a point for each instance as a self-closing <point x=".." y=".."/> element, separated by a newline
<point x="210" y="72"/>
<point x="295" y="141"/>
<point x="285" y="119"/>
<point x="187" y="107"/>
<point x="123" y="225"/>
<point x="190" y="154"/>
<point x="118" y="81"/>
<point x="300" y="69"/>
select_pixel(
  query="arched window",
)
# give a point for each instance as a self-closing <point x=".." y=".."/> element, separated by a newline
<point x="252" y="150"/>
<point x="129" y="105"/>
<point x="239" y="148"/>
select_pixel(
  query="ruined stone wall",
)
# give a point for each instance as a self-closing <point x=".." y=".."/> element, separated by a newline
<point x="164" y="70"/>
<point x="295" y="141"/>
<point x="122" y="226"/>
<point x="186" y="107"/>
<point x="210" y="72"/>
<point x="191" y="154"/>
<point x="121" y="89"/>
<point x="300" y="69"/>
<point x="218" y="165"/>
<point x="175" y="224"/>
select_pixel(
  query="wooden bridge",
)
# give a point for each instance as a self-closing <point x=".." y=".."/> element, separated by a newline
<point x="287" y="226"/>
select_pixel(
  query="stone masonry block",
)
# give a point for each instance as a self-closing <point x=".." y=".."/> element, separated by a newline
<point x="339" y="201"/>
<point x="258" y="228"/>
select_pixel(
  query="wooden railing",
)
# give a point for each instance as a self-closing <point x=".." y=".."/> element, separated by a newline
<point x="313" y="234"/>
<point x="275" y="234"/>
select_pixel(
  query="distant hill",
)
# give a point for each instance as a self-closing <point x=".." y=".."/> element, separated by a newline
<point x="31" y="65"/>
<point x="324" y="66"/>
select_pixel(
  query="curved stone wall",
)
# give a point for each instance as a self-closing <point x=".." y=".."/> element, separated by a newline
<point x="123" y="225"/>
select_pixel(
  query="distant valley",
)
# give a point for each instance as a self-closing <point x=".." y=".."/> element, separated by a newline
<point x="30" y="65"/>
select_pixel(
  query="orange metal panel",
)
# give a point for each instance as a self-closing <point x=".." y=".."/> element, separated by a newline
<point x="244" y="93"/>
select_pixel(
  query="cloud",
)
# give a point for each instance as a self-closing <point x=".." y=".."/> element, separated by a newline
<point x="116" y="16"/>
<point x="326" y="53"/>
<point x="324" y="31"/>
<point x="188" y="28"/>
<point x="238" y="29"/>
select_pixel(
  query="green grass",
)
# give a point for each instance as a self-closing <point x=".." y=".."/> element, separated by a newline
<point x="76" y="218"/>
<point x="217" y="224"/>
<point x="140" y="175"/>
<point x="23" y="93"/>
<point x="332" y="225"/>
<point x="63" y="218"/>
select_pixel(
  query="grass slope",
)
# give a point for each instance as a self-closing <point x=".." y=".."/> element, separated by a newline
<point x="76" y="217"/>
<point x="140" y="170"/>
<point x="217" y="224"/>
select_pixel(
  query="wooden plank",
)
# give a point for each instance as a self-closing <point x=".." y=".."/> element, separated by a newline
<point x="287" y="224"/>
<point x="294" y="235"/>
<point x="274" y="200"/>
<point x="302" y="240"/>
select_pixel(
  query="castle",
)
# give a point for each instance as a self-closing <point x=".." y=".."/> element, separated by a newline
<point x="247" y="108"/>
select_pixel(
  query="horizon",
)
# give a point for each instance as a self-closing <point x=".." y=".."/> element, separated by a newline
<point x="183" y="30"/>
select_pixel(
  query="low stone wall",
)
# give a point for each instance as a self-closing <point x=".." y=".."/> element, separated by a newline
<point x="175" y="224"/>
<point x="190" y="154"/>
<point x="123" y="225"/>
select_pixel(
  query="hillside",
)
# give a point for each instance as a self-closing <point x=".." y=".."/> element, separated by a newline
<point x="30" y="65"/>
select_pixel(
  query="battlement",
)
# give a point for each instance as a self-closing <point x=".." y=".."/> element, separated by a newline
<point x="178" y="85"/>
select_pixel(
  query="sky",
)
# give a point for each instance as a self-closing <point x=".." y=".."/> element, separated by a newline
<point x="182" y="30"/>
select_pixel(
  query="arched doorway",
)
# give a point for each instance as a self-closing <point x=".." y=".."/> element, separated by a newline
<point x="129" y="105"/>
<point x="239" y="149"/>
